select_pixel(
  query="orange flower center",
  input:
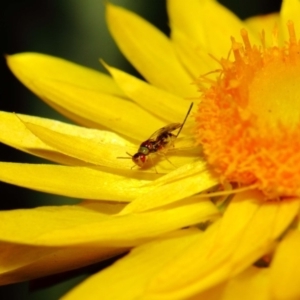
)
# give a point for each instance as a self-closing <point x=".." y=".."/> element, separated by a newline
<point x="249" y="117"/>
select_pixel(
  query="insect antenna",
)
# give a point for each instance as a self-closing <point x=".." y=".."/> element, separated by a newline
<point x="130" y="156"/>
<point x="191" y="106"/>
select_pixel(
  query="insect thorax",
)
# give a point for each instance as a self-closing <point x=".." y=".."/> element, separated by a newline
<point x="144" y="150"/>
<point x="165" y="140"/>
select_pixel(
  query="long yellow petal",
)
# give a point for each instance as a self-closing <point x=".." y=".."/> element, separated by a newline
<point x="149" y="51"/>
<point x="131" y="229"/>
<point x="290" y="11"/>
<point x="85" y="226"/>
<point x="128" y="278"/>
<point x="285" y="268"/>
<point x="30" y="66"/>
<point x="244" y="234"/>
<point x="270" y="221"/>
<point x="205" y="22"/>
<point x="76" y="182"/>
<point x="107" y="111"/>
<point x="179" y="184"/>
<point x="47" y="240"/>
<point x="159" y="102"/>
<point x="101" y="106"/>
<point x="193" y="56"/>
<point x="13" y="132"/>
<point x="253" y="283"/>
<point x="100" y="148"/>
<point x="264" y="22"/>
<point x="23" y="263"/>
<point x="20" y="262"/>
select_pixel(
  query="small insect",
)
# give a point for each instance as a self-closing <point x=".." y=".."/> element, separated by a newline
<point x="159" y="142"/>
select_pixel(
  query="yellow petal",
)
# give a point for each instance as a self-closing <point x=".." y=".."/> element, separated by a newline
<point x="270" y="221"/>
<point x="102" y="148"/>
<point x="251" y="284"/>
<point x="85" y="226"/>
<point x="77" y="236"/>
<point x="196" y="59"/>
<point x="78" y="182"/>
<point x="128" y="278"/>
<point x="75" y="98"/>
<point x="89" y="236"/>
<point x="28" y="67"/>
<point x="159" y="102"/>
<point x="264" y="22"/>
<point x="285" y="268"/>
<point x="290" y="11"/>
<point x="15" y="134"/>
<point x="207" y="23"/>
<point x="94" y="146"/>
<point x="97" y="147"/>
<point x="179" y="184"/>
<point x="20" y="262"/>
<point x="98" y="108"/>
<point x="228" y="246"/>
<point x="131" y="229"/>
<point x="149" y="51"/>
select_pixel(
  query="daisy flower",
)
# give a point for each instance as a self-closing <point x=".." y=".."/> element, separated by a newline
<point x="198" y="221"/>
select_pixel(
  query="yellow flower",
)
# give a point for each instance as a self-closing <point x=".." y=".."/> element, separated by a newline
<point x="246" y="123"/>
<point x="255" y="137"/>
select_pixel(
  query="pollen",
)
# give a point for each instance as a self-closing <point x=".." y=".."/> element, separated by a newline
<point x="248" y="120"/>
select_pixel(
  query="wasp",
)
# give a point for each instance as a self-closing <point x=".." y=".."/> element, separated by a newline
<point x="159" y="142"/>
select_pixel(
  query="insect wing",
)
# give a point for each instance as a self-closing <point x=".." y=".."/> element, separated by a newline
<point x="166" y="129"/>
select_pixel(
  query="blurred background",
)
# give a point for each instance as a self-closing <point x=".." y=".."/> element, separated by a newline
<point x="74" y="30"/>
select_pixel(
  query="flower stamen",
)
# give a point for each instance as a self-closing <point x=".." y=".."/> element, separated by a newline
<point x="249" y="117"/>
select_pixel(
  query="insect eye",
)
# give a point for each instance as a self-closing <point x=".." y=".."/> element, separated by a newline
<point x="147" y="144"/>
<point x="139" y="159"/>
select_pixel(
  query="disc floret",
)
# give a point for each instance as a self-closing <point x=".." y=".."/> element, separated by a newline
<point x="249" y="116"/>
